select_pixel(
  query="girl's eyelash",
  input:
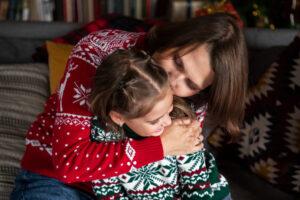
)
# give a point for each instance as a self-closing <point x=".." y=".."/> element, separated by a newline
<point x="153" y="122"/>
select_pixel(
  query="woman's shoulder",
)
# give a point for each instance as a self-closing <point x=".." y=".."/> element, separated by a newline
<point x="98" y="44"/>
<point x="114" y="37"/>
<point x="99" y="132"/>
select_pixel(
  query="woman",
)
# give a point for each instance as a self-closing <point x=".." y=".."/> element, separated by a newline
<point x="206" y="59"/>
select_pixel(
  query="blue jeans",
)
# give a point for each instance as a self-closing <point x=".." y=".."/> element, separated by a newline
<point x="228" y="197"/>
<point x="29" y="185"/>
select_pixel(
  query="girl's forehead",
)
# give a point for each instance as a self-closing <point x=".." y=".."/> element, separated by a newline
<point x="162" y="106"/>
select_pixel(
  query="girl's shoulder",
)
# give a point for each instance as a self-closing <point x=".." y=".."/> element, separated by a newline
<point x="200" y="112"/>
<point x="99" y="132"/>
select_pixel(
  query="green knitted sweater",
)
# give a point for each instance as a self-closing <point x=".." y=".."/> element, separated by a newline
<point x="191" y="176"/>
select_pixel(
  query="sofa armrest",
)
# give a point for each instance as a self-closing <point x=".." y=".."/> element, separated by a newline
<point x="262" y="38"/>
<point x="19" y="40"/>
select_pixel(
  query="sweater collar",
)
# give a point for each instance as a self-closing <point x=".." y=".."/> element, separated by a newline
<point x="131" y="134"/>
<point x="97" y="129"/>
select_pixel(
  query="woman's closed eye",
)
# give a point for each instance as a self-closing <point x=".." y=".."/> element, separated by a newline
<point x="191" y="84"/>
<point x="178" y="62"/>
<point x="180" y="67"/>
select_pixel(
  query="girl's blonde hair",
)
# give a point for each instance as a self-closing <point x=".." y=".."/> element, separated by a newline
<point x="130" y="83"/>
<point x="127" y="82"/>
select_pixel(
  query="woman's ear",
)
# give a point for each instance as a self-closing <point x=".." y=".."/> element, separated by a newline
<point x="116" y="117"/>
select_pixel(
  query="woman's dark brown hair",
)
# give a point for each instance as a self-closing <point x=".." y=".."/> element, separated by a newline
<point x="127" y="82"/>
<point x="226" y="45"/>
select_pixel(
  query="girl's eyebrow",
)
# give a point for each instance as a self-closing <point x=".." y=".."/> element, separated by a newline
<point x="153" y="121"/>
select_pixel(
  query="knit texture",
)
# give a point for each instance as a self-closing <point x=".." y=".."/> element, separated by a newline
<point x="23" y="89"/>
<point x="58" y="143"/>
<point x="191" y="176"/>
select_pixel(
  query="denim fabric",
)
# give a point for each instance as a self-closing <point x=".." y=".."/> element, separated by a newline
<point x="228" y="197"/>
<point x="29" y="185"/>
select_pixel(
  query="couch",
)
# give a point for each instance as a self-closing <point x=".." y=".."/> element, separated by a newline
<point x="24" y="87"/>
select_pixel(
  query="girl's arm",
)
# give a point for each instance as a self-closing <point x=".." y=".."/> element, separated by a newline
<point x="75" y="157"/>
<point x="110" y="188"/>
<point x="198" y="174"/>
<point x="193" y="177"/>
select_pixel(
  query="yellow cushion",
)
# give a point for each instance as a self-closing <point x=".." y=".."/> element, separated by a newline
<point x="58" y="55"/>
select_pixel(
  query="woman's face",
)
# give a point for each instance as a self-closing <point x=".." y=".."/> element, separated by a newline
<point x="153" y="123"/>
<point x="189" y="73"/>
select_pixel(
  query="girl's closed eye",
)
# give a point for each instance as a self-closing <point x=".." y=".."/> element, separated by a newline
<point x="157" y="120"/>
<point x="154" y="122"/>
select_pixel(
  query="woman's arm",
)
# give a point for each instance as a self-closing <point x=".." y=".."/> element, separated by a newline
<point x="75" y="157"/>
<point x="181" y="137"/>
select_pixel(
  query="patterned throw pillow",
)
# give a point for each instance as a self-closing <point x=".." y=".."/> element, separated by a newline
<point x="24" y="89"/>
<point x="270" y="139"/>
<point x="108" y="21"/>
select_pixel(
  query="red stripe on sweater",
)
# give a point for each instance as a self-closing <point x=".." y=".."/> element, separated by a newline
<point x="157" y="189"/>
<point x="193" y="172"/>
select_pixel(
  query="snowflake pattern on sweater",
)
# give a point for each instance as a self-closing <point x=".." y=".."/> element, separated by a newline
<point x="191" y="176"/>
<point x="58" y="143"/>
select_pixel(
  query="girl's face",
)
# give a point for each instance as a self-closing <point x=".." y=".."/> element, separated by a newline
<point x="189" y="73"/>
<point x="153" y="123"/>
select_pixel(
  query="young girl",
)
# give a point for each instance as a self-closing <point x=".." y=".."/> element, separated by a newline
<point x="206" y="61"/>
<point x="132" y="97"/>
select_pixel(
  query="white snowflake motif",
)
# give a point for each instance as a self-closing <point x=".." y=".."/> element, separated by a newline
<point x="144" y="178"/>
<point x="82" y="95"/>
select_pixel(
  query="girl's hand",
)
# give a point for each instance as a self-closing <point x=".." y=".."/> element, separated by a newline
<point x="183" y="136"/>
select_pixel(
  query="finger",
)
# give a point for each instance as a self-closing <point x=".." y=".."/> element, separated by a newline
<point x="199" y="147"/>
<point x="200" y="138"/>
<point x="199" y="131"/>
<point x="184" y="121"/>
<point x="198" y="142"/>
<point x="195" y="123"/>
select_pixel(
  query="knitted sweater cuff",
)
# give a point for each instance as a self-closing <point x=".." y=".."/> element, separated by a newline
<point x="148" y="150"/>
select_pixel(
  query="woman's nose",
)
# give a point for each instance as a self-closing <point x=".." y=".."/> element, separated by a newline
<point x="175" y="77"/>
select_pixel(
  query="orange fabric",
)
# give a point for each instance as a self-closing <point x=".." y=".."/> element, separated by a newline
<point x="58" y="57"/>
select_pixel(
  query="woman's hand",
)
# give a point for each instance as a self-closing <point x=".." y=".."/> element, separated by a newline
<point x="183" y="136"/>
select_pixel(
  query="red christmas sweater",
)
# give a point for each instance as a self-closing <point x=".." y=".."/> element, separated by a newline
<point x="58" y="143"/>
